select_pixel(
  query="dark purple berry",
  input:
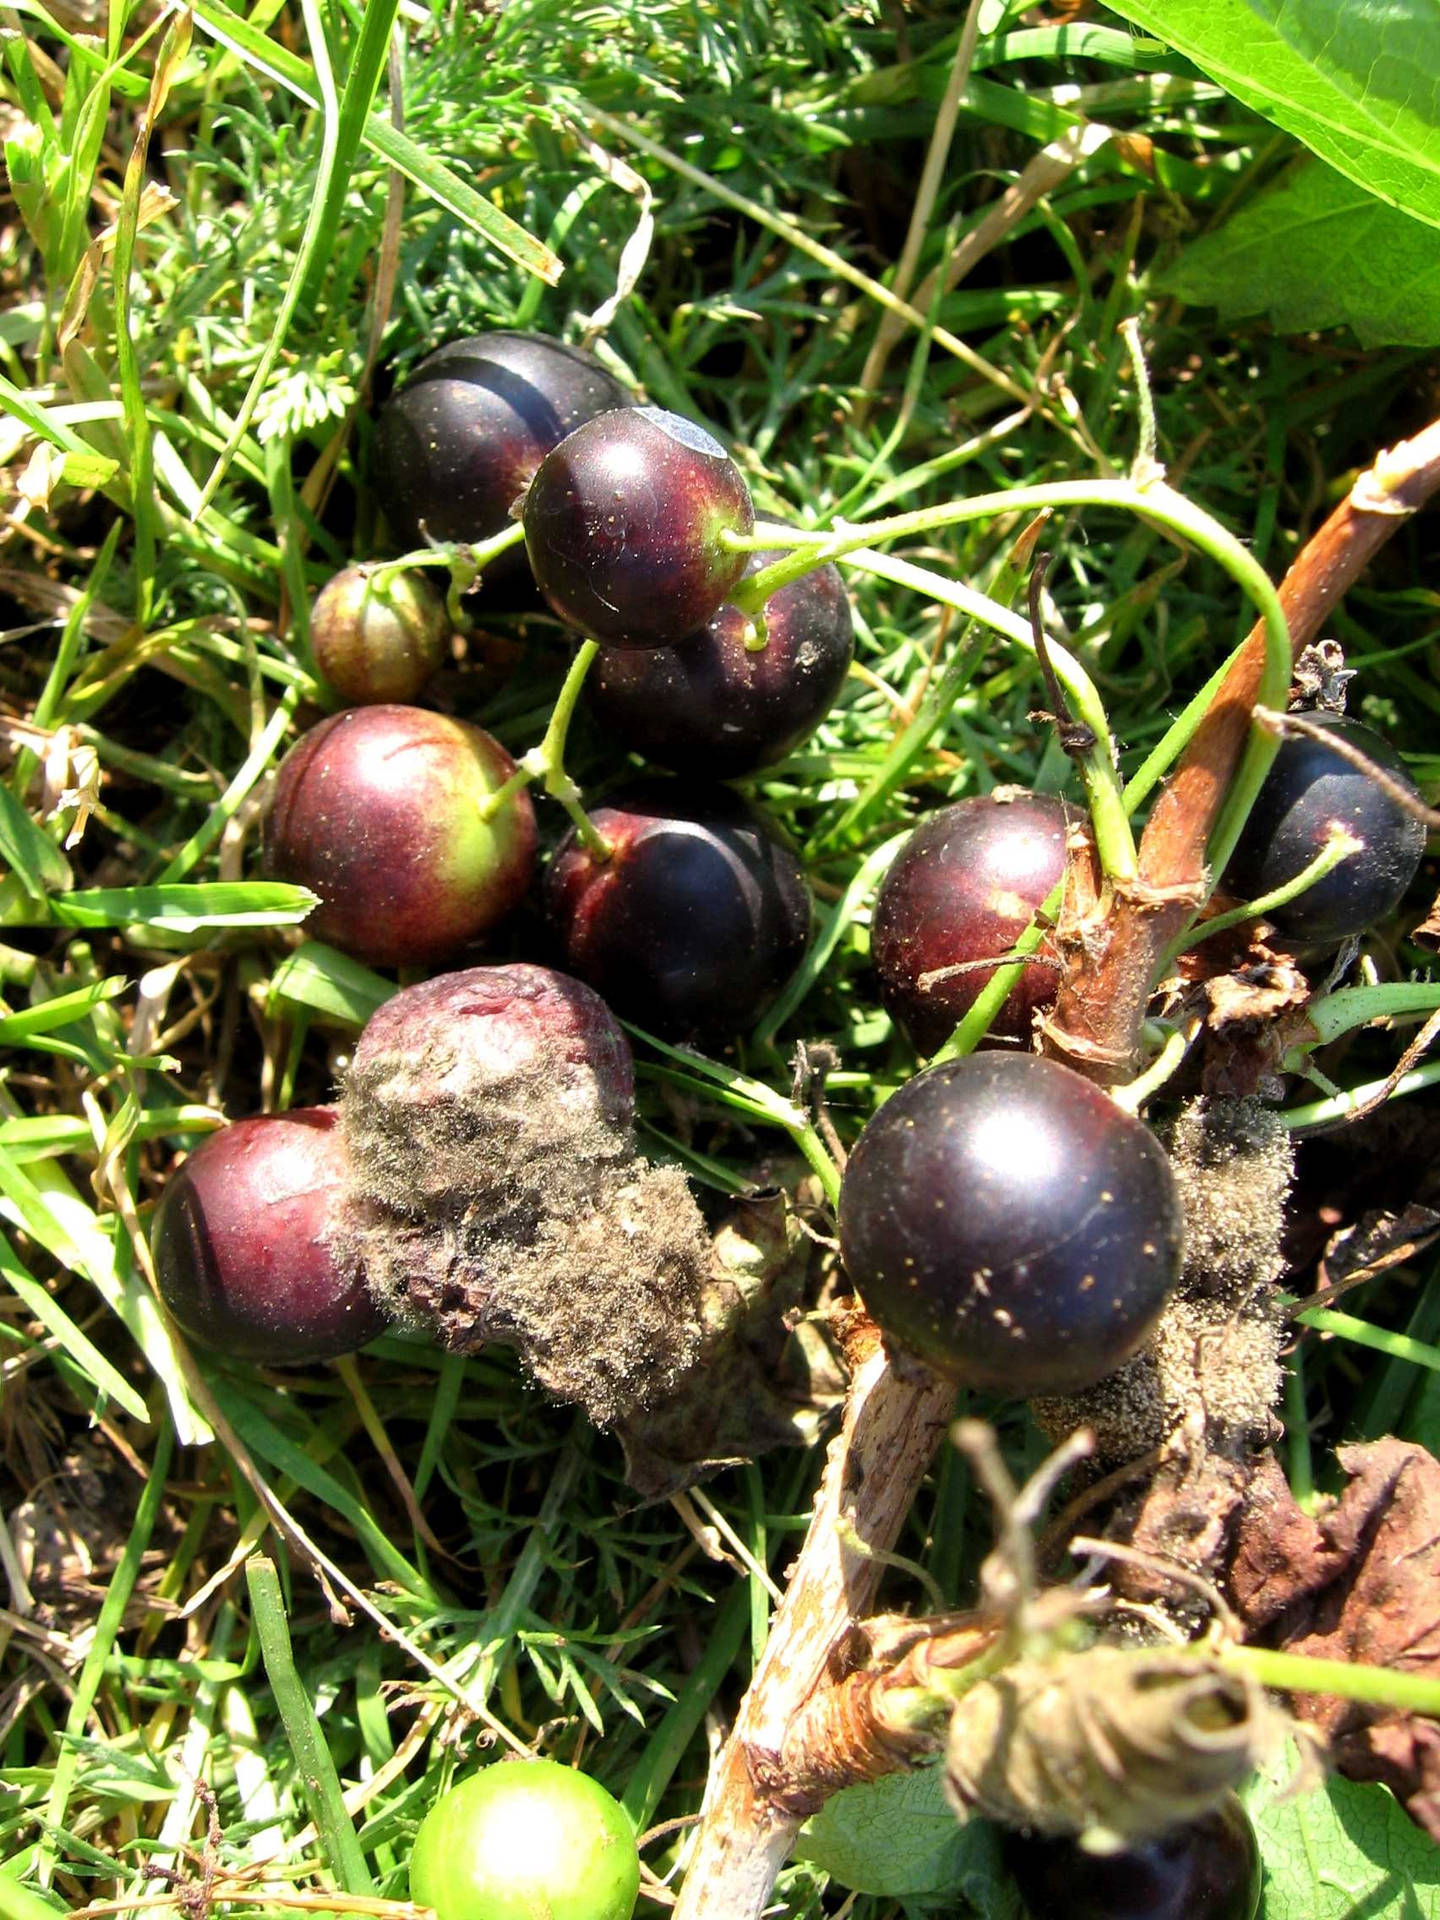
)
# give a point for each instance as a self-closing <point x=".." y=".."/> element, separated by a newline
<point x="1009" y="1224"/>
<point x="1208" y="1869"/>
<point x="695" y="921"/>
<point x="623" y="523"/>
<point x="242" y="1243"/>
<point x="960" y="892"/>
<point x="1307" y="787"/>
<point x="458" y="444"/>
<point x="377" y="810"/>
<point x="713" y="708"/>
<point x="377" y="643"/>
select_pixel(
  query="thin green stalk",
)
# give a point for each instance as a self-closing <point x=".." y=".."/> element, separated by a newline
<point x="319" y="1781"/>
<point x="173" y="49"/>
<point x="1339" y="1106"/>
<point x="1345" y="1679"/>
<point x="367" y="63"/>
<point x="310" y="240"/>
<point x="992" y="996"/>
<point x="1114" y="841"/>
<point x="1398" y="1346"/>
<point x="546" y="762"/>
<point x="1340" y="846"/>
<point x="112" y="1612"/>
<point x="1154" y="501"/>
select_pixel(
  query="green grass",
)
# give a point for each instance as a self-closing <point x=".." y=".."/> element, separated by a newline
<point x="198" y="311"/>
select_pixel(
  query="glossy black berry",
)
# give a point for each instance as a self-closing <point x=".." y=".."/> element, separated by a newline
<point x="961" y="891"/>
<point x="1004" y="1220"/>
<point x="378" y="638"/>
<point x="244" y="1254"/>
<point x="713" y="707"/>
<point x="1208" y="1869"/>
<point x="378" y="811"/>
<point x="1307" y="788"/>
<point x="695" y="921"/>
<point x="623" y="523"/>
<point x="457" y="445"/>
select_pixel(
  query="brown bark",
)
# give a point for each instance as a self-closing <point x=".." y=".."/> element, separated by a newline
<point x="757" y="1799"/>
<point x="1114" y="953"/>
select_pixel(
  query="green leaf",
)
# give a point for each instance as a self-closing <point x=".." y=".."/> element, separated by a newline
<point x="899" y="1837"/>
<point x="186" y="909"/>
<point x="329" y="983"/>
<point x="1315" y="251"/>
<point x="44" y="1016"/>
<point x="1343" y="1851"/>
<point x="1357" y="80"/>
<point x="32" y="856"/>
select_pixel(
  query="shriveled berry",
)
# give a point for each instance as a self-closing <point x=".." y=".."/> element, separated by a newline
<point x="378" y="639"/>
<point x="1008" y="1223"/>
<point x="243" y="1245"/>
<point x="623" y="525"/>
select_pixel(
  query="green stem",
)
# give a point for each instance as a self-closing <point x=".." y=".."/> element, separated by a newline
<point x="1114" y="841"/>
<point x="319" y="1781"/>
<point x="546" y="762"/>
<point x="1321" y="1113"/>
<point x="466" y="559"/>
<point x="1152" y="499"/>
<point x="1340" y="846"/>
<point x="1396" y="1346"/>
<point x="1133" y="1095"/>
<point x="1344" y="1679"/>
<point x="992" y="996"/>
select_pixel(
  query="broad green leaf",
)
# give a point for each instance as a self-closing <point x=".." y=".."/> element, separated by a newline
<point x="1357" y="80"/>
<point x="1315" y="251"/>
<point x="899" y="1837"/>
<point x="1342" y="1852"/>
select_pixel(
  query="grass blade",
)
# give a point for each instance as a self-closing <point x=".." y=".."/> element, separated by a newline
<point x="318" y="1778"/>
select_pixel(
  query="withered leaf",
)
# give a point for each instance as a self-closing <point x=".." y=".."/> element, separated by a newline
<point x="1358" y="1582"/>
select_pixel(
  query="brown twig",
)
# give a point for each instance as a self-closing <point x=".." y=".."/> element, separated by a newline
<point x="1113" y="947"/>
<point x="755" y="1804"/>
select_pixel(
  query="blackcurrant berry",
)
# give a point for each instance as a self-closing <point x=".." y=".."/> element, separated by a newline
<point x="697" y="918"/>
<point x="1309" y="786"/>
<point x="712" y="707"/>
<point x="1004" y="1220"/>
<point x="377" y="810"/>
<point x="623" y="523"/>
<point x="243" y="1246"/>
<point x="960" y="892"/>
